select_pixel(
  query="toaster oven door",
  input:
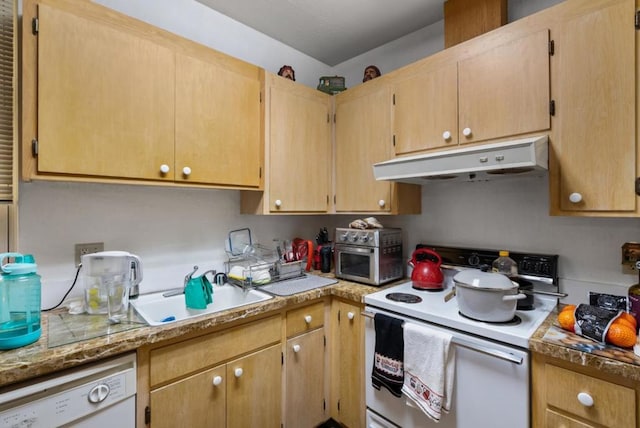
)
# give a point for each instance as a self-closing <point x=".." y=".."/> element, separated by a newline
<point x="357" y="263"/>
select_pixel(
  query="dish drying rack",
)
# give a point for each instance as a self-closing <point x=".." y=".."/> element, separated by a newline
<point x="259" y="265"/>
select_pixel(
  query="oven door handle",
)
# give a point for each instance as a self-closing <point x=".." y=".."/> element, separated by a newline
<point x="353" y="249"/>
<point x="478" y="348"/>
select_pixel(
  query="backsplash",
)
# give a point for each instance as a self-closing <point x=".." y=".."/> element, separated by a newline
<point x="173" y="229"/>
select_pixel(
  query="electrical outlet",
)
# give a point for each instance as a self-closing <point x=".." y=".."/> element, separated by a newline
<point x="90" y="248"/>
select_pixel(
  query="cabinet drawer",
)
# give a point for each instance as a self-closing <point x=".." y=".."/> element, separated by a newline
<point x="554" y="419"/>
<point x="613" y="405"/>
<point x="305" y="319"/>
<point x="186" y="357"/>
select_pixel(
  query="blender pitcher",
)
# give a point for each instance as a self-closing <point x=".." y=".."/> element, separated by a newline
<point x="108" y="277"/>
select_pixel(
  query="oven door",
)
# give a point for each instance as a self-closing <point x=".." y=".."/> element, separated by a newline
<point x="491" y="385"/>
<point x="357" y="263"/>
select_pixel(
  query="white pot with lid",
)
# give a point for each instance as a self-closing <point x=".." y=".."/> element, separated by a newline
<point x="486" y="296"/>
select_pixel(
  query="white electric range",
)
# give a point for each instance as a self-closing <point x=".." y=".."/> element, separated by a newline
<point x="492" y="381"/>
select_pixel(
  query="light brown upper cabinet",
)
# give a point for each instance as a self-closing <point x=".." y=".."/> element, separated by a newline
<point x="449" y="99"/>
<point x="105" y="98"/>
<point x="425" y="109"/>
<point x="595" y="158"/>
<point x="109" y="98"/>
<point x="362" y="138"/>
<point x="504" y="91"/>
<point x="299" y="151"/>
<point x="217" y="122"/>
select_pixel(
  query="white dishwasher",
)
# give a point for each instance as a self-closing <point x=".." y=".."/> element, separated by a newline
<point x="99" y="395"/>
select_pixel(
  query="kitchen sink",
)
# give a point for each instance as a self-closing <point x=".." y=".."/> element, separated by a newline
<point x="156" y="309"/>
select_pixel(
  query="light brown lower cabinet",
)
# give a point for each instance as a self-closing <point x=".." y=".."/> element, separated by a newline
<point x="229" y="378"/>
<point x="305" y="398"/>
<point x="241" y="393"/>
<point x="347" y="363"/>
<point x="572" y="396"/>
<point x="291" y="368"/>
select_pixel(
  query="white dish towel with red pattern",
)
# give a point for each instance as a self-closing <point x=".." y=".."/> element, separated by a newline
<point x="429" y="369"/>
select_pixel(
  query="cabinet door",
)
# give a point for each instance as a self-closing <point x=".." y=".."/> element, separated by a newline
<point x="347" y="364"/>
<point x="505" y="91"/>
<point x="254" y="394"/>
<point x="105" y="99"/>
<point x="305" y="402"/>
<point x="363" y="137"/>
<point x="300" y="149"/>
<point x="425" y="113"/>
<point x="217" y="122"/>
<point x="595" y="124"/>
<point x="193" y="402"/>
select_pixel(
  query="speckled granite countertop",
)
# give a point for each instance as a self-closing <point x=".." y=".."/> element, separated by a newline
<point x="42" y="357"/>
<point x="615" y="365"/>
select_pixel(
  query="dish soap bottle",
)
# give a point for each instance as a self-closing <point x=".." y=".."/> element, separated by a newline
<point x="634" y="297"/>
<point x="505" y="265"/>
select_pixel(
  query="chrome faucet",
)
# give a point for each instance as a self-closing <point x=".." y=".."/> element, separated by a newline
<point x="187" y="278"/>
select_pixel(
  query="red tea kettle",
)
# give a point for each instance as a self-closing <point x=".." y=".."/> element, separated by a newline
<point x="426" y="274"/>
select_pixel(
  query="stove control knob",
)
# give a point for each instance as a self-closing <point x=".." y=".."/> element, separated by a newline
<point x="474" y="260"/>
<point x="344" y="237"/>
<point x="354" y="237"/>
<point x="365" y="238"/>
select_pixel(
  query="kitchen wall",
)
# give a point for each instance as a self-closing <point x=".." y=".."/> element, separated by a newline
<point x="173" y="229"/>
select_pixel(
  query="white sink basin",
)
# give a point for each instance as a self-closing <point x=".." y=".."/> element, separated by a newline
<point x="156" y="309"/>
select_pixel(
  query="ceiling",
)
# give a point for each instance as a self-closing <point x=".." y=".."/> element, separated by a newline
<point x="332" y="31"/>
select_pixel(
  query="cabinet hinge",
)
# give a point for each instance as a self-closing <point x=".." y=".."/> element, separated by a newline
<point x="394" y="99"/>
<point x="334" y="199"/>
<point x="260" y="172"/>
<point x="260" y="97"/>
<point x="147" y="415"/>
<point x="338" y="405"/>
<point x="324" y="338"/>
<point x="327" y="200"/>
<point x="282" y="358"/>
<point x="328" y="118"/>
<point x="552" y="47"/>
<point x="394" y="141"/>
<point x="34" y="147"/>
<point x="552" y="107"/>
<point x="334" y="118"/>
<point x="637" y="20"/>
<point x="338" y="317"/>
<point x="35" y="25"/>
<point x="324" y="404"/>
<point x="638" y="186"/>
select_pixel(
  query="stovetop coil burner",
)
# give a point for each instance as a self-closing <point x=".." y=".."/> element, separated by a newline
<point x="404" y="297"/>
<point x="513" y="321"/>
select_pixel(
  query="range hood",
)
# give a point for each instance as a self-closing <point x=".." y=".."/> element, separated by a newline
<point x="527" y="156"/>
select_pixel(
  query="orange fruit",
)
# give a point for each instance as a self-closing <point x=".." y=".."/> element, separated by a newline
<point x="567" y="320"/>
<point x="621" y="335"/>
<point x="625" y="322"/>
<point x="627" y="316"/>
<point x="569" y="308"/>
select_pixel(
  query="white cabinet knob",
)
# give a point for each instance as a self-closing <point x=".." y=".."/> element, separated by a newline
<point x="164" y="168"/>
<point x="575" y="197"/>
<point x="217" y="380"/>
<point x="308" y="319"/>
<point x="466" y="132"/>
<point x="382" y="203"/>
<point x="585" y="399"/>
<point x="446" y="135"/>
<point x="296" y="348"/>
<point x="350" y="315"/>
<point x="186" y="171"/>
<point x="278" y="203"/>
<point x="238" y="372"/>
